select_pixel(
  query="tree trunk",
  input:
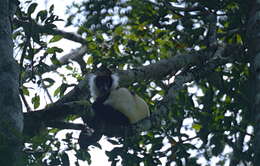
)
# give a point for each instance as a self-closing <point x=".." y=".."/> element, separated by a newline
<point x="11" y="117"/>
<point x="253" y="38"/>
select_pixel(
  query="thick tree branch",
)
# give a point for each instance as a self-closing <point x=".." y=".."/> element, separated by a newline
<point x="58" y="111"/>
<point x="35" y="120"/>
<point x="65" y="125"/>
<point x="164" y="67"/>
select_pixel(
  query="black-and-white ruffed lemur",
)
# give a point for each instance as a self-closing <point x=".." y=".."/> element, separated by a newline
<point x="114" y="105"/>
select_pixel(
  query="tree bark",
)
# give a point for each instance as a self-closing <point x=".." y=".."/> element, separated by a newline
<point x="253" y="38"/>
<point x="11" y="117"/>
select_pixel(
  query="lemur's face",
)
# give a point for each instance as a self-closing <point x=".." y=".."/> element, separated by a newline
<point x="104" y="83"/>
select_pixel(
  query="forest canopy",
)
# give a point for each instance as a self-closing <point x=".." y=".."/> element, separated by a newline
<point x="196" y="63"/>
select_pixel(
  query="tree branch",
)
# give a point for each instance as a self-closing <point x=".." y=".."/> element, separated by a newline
<point x="176" y="8"/>
<point x="51" y="31"/>
<point x="127" y="77"/>
<point x="59" y="111"/>
<point x="75" y="55"/>
<point x="183" y="9"/>
<point x="65" y="125"/>
<point x="163" y="68"/>
<point x="212" y="31"/>
<point x="35" y="120"/>
<point x="220" y="57"/>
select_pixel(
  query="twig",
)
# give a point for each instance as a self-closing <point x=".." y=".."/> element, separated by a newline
<point x="26" y="43"/>
<point x="46" y="90"/>
<point x="46" y="29"/>
<point x="212" y="32"/>
<point x="28" y="108"/>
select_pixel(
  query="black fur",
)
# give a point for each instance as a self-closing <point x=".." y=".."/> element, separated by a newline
<point x="104" y="83"/>
<point x="107" y="113"/>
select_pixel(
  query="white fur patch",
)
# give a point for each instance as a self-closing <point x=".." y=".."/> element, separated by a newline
<point x="115" y="79"/>
<point x="132" y="106"/>
<point x="92" y="86"/>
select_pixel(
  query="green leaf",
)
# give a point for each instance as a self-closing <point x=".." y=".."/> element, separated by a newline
<point x="36" y="101"/>
<point x="25" y="91"/>
<point x="239" y="39"/>
<point x="53" y="50"/>
<point x="51" y="8"/>
<point x="49" y="81"/>
<point x="90" y="60"/>
<point x="84" y="156"/>
<point x="42" y="15"/>
<point x="31" y="8"/>
<point x="56" y="38"/>
<point x="57" y="92"/>
<point x="60" y="90"/>
<point x="220" y="117"/>
<point x="196" y="126"/>
<point x="63" y="88"/>
<point x="54" y="60"/>
<point x="69" y="67"/>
